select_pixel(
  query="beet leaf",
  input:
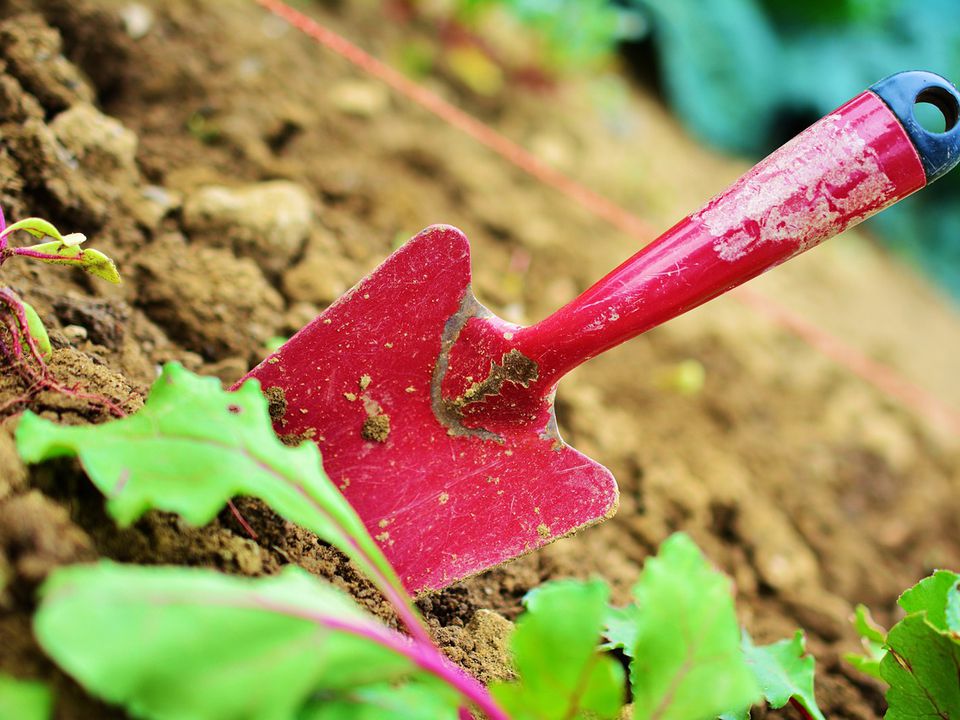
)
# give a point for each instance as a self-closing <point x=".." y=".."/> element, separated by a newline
<point x="784" y="672"/>
<point x="562" y="674"/>
<point x="188" y="643"/>
<point x="687" y="660"/>
<point x="873" y="638"/>
<point x="24" y="699"/>
<point x="415" y="700"/>
<point x="194" y="446"/>
<point x="921" y="665"/>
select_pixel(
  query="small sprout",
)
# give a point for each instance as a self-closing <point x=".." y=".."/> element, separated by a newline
<point x="61" y="250"/>
<point x="30" y="345"/>
<point x="37" y="331"/>
<point x="684" y="378"/>
<point x="274" y="343"/>
<point x="57" y="252"/>
<point x="203" y="128"/>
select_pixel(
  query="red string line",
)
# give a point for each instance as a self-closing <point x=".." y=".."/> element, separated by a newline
<point x="485" y="135"/>
<point x="881" y="376"/>
<point x="884" y="378"/>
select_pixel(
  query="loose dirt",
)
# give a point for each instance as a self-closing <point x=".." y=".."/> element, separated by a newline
<point x="243" y="179"/>
<point x="376" y="428"/>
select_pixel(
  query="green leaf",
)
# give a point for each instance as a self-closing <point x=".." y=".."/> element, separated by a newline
<point x="868" y="628"/>
<point x="38" y="227"/>
<point x="930" y="596"/>
<point x="573" y="34"/>
<point x="91" y="261"/>
<point x="866" y="664"/>
<point x="923" y="656"/>
<point x="411" y="701"/>
<point x="24" y="699"/>
<point x="921" y="669"/>
<point x="37" y="330"/>
<point x="173" y="643"/>
<point x="687" y="661"/>
<point x="99" y="265"/>
<point x="784" y="671"/>
<point x="952" y="612"/>
<point x="873" y="637"/>
<point x="736" y="715"/>
<point x="720" y="64"/>
<point x="193" y="447"/>
<point x="561" y="673"/>
<point x="274" y="343"/>
<point x="620" y="629"/>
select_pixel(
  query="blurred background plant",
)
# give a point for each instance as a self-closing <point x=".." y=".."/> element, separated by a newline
<point x="741" y="75"/>
<point x="746" y="75"/>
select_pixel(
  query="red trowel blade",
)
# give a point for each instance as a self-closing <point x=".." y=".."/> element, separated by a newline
<point x="361" y="380"/>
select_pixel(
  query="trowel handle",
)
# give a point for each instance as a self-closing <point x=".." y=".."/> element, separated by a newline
<point x="864" y="156"/>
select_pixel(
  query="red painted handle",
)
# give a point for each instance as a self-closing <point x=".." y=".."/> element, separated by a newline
<point x="848" y="166"/>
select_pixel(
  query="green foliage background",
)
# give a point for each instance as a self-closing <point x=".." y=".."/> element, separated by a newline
<point x="733" y="69"/>
<point x="741" y="75"/>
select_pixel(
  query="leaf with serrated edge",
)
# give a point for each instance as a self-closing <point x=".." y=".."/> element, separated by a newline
<point x="784" y="671"/>
<point x="930" y="596"/>
<point x="194" y="446"/>
<point x="174" y="643"/>
<point x="24" y="699"/>
<point x="687" y="662"/>
<point x="561" y="673"/>
<point x="921" y="668"/>
<point x="620" y="629"/>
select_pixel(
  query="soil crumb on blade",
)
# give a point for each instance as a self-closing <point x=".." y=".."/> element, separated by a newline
<point x="514" y="367"/>
<point x="276" y="403"/>
<point x="376" y="428"/>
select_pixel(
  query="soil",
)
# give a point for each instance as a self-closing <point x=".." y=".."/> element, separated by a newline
<point x="243" y="179"/>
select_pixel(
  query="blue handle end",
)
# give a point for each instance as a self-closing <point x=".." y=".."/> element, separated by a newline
<point x="939" y="152"/>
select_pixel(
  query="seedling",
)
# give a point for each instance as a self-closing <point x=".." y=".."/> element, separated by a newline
<point x="25" y="344"/>
<point x="919" y="657"/>
<point x="293" y="647"/>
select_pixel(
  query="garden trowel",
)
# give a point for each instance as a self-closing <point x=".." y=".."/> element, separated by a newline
<point x="435" y="418"/>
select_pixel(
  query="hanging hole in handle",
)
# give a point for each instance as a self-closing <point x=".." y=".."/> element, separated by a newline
<point x="936" y="110"/>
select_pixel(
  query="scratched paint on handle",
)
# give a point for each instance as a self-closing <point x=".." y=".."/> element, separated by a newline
<point x="819" y="183"/>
